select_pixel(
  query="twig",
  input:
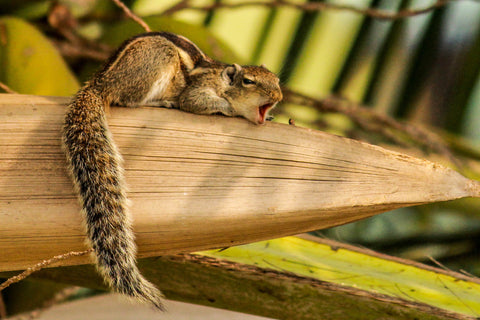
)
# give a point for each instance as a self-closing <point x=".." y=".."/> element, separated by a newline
<point x="132" y="15"/>
<point x="371" y="121"/>
<point x="61" y="19"/>
<point x="438" y="263"/>
<point x="73" y="50"/>
<point x="6" y="88"/>
<point x="310" y="7"/>
<point x="40" y="266"/>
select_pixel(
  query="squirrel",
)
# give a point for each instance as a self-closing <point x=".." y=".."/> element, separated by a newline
<point x="155" y="69"/>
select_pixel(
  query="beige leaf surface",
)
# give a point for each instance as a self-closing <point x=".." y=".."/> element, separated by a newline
<point x="200" y="182"/>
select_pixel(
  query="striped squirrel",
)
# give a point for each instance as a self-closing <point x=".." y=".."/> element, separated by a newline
<point x="156" y="69"/>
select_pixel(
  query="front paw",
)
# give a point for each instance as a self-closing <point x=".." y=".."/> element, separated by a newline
<point x="167" y="104"/>
<point x="163" y="104"/>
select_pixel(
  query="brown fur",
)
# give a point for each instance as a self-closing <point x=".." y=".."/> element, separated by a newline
<point x="157" y="69"/>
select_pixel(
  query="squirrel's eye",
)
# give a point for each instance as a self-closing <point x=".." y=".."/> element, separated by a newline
<point x="248" y="81"/>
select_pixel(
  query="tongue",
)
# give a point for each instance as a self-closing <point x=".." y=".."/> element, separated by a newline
<point x="262" y="111"/>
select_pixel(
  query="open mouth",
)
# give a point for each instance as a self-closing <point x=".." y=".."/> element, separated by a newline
<point x="262" y="111"/>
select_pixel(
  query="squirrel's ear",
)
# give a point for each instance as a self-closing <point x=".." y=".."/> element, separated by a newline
<point x="230" y="73"/>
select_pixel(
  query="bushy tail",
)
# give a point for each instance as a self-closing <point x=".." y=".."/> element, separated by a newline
<point x="95" y="165"/>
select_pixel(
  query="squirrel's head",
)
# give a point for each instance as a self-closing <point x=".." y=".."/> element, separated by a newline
<point x="252" y="91"/>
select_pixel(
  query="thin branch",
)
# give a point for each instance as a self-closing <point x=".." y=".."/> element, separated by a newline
<point x="74" y="45"/>
<point x="311" y="7"/>
<point x="372" y="121"/>
<point x="77" y="50"/>
<point x="132" y="15"/>
<point x="6" y="88"/>
<point x="42" y="265"/>
<point x="438" y="263"/>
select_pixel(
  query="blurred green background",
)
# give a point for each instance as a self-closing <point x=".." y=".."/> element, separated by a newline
<point x="422" y="69"/>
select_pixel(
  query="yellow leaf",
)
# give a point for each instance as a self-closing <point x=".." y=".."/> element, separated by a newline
<point x="29" y="63"/>
<point x="361" y="270"/>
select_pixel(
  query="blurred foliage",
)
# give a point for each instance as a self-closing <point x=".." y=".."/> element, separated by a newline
<point x="424" y="69"/>
<point x="117" y="32"/>
<point x="30" y="63"/>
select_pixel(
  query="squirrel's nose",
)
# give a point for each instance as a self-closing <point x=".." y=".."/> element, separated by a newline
<point x="277" y="94"/>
